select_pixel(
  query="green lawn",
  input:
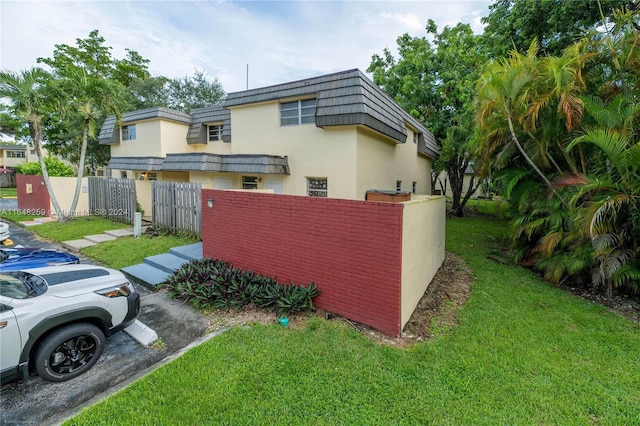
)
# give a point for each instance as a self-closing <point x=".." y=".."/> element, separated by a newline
<point x="8" y="192"/>
<point x="524" y="353"/>
<point x="76" y="228"/>
<point x="127" y="251"/>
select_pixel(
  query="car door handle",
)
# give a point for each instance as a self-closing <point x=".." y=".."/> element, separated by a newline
<point x="3" y="324"/>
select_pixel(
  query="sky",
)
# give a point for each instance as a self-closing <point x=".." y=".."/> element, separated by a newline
<point x="277" y="41"/>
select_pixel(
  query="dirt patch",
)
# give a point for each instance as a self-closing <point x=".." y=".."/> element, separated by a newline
<point x="437" y="309"/>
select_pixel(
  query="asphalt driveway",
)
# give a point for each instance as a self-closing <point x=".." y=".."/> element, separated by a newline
<point x="37" y="402"/>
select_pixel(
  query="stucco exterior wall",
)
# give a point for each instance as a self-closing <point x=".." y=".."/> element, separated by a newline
<point x="312" y="151"/>
<point x="381" y="163"/>
<point x="423" y="248"/>
<point x="143" y="196"/>
<point x="64" y="188"/>
<point x="154" y="138"/>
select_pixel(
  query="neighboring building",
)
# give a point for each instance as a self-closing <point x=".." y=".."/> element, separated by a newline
<point x="12" y="154"/>
<point x="336" y="135"/>
<point x="469" y="173"/>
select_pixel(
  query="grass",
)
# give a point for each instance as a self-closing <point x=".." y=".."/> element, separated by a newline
<point x="524" y="353"/>
<point x="76" y="228"/>
<point x="8" y="192"/>
<point x="127" y="251"/>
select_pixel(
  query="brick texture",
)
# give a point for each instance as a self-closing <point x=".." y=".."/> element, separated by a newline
<point x="351" y="249"/>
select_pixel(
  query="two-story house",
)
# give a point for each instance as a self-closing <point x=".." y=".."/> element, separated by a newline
<point x="337" y="135"/>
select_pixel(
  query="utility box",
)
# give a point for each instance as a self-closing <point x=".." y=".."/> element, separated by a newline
<point x="388" y="196"/>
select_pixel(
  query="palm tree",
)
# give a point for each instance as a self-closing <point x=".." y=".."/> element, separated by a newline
<point x="25" y="93"/>
<point x="90" y="99"/>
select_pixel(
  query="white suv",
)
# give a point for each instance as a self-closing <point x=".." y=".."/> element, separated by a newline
<point x="55" y="319"/>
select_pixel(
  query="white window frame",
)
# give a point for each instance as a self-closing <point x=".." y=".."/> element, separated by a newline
<point x="398" y="185"/>
<point x="216" y="129"/>
<point x="129" y="132"/>
<point x="16" y="154"/>
<point x="295" y="113"/>
<point x="415" y="137"/>
<point x="317" y="190"/>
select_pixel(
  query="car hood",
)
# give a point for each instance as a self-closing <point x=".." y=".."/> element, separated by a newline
<point x="27" y="258"/>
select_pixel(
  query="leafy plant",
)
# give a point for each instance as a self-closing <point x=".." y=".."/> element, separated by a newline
<point x="214" y="283"/>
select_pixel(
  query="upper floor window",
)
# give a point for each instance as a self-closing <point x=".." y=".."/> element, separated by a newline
<point x="129" y="132"/>
<point x="249" y="182"/>
<point x="297" y="112"/>
<point x="215" y="133"/>
<point x="414" y="186"/>
<point x="398" y="185"/>
<point x="317" y="187"/>
<point x="16" y="154"/>
<point x="415" y="137"/>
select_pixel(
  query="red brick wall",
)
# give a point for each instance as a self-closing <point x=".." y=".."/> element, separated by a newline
<point x="37" y="200"/>
<point x="351" y="249"/>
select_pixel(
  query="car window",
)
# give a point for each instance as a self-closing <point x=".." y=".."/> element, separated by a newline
<point x="13" y="287"/>
<point x="3" y="256"/>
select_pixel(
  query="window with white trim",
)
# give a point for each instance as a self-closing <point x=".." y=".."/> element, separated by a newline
<point x="415" y="137"/>
<point x="16" y="154"/>
<point x="398" y="185"/>
<point x="129" y="132"/>
<point x="298" y="112"/>
<point x="317" y="187"/>
<point x="249" y="182"/>
<point x="215" y="132"/>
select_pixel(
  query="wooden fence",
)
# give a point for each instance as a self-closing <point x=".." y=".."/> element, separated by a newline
<point x="112" y="198"/>
<point x="7" y="179"/>
<point x="177" y="206"/>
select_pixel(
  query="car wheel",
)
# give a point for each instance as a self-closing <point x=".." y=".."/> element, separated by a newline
<point x="69" y="352"/>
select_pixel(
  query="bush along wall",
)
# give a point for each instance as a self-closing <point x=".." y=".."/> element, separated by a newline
<point x="212" y="283"/>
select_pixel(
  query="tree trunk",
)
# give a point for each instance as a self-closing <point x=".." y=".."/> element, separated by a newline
<point x="83" y="152"/>
<point x="531" y="163"/>
<point x="36" y="134"/>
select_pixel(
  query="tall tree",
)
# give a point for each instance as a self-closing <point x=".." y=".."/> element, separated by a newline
<point x="93" y="57"/>
<point x="435" y="82"/>
<point x="556" y="24"/>
<point x="88" y="99"/>
<point x="24" y="92"/>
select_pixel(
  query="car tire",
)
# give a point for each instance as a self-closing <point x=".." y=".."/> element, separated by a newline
<point x="69" y="351"/>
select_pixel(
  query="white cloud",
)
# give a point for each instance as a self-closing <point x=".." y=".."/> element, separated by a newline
<point x="281" y="41"/>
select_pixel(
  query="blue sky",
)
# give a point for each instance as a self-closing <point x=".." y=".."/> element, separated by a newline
<point x="280" y="41"/>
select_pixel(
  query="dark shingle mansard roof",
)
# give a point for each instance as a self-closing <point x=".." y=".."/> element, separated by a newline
<point x="202" y="116"/>
<point x="234" y="163"/>
<point x="109" y="132"/>
<point x="345" y="98"/>
<point x="136" y="163"/>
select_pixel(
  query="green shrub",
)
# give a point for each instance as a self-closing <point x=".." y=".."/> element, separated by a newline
<point x="214" y="283"/>
<point x="54" y="167"/>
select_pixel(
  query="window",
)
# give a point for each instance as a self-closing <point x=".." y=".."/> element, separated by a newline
<point x="32" y="151"/>
<point x="413" y="187"/>
<point x="129" y="132"/>
<point x="249" y="182"/>
<point x="215" y="133"/>
<point x="298" y="112"/>
<point x="123" y="174"/>
<point x="398" y="185"/>
<point x="415" y="137"/>
<point x="152" y="176"/>
<point x="16" y="154"/>
<point x="317" y="187"/>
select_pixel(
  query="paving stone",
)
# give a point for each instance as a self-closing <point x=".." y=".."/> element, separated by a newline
<point x="99" y="238"/>
<point x="76" y="245"/>
<point x="119" y="233"/>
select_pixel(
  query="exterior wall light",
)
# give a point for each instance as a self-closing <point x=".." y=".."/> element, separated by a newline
<point x="210" y="202"/>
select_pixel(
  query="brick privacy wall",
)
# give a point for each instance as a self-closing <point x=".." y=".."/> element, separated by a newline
<point x="38" y="200"/>
<point x="351" y="249"/>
